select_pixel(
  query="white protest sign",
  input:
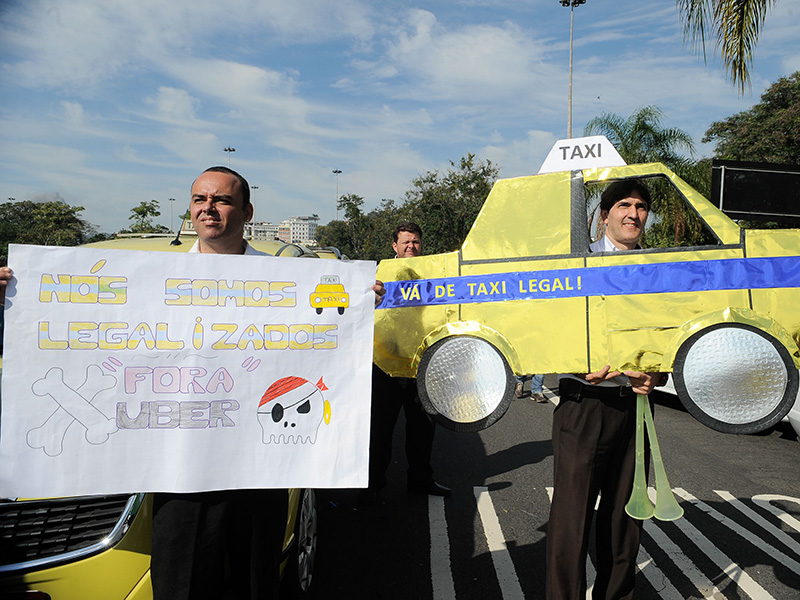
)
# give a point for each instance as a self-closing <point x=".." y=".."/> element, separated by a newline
<point x="130" y="371"/>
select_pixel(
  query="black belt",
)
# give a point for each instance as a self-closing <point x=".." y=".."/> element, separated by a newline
<point x="574" y="388"/>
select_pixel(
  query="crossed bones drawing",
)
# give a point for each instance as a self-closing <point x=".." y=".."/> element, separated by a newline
<point x="73" y="405"/>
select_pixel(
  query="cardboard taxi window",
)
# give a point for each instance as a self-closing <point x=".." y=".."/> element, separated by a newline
<point x="524" y="295"/>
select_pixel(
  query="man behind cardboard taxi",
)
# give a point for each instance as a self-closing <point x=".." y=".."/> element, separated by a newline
<point x="594" y="428"/>
<point x="389" y="394"/>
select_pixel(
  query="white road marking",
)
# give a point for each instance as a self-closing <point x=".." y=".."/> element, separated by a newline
<point x="764" y="501"/>
<point x="758" y="519"/>
<point x="656" y="577"/>
<point x="684" y="564"/>
<point x="748" y="535"/>
<point x="744" y="582"/>
<point x="510" y="588"/>
<point x="441" y="571"/>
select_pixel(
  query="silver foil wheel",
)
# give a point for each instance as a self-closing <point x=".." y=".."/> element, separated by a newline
<point x="735" y="378"/>
<point x="465" y="383"/>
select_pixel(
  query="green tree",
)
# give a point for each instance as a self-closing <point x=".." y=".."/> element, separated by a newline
<point x="374" y="234"/>
<point x="382" y="221"/>
<point x="53" y="223"/>
<point x="335" y="234"/>
<point x="767" y="132"/>
<point x="734" y="24"/>
<point x="355" y="225"/>
<point x="445" y="205"/>
<point x="642" y="138"/>
<point x="347" y="235"/>
<point x="143" y="215"/>
<point x="186" y="216"/>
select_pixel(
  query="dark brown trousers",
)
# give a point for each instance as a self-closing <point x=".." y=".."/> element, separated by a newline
<point x="389" y="395"/>
<point x="594" y="453"/>
<point x="196" y="535"/>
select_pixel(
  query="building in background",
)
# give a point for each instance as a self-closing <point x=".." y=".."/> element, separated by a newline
<point x="294" y="230"/>
<point x="299" y="230"/>
<point x="260" y="231"/>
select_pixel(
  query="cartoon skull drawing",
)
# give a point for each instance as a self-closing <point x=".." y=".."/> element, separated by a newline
<point x="291" y="411"/>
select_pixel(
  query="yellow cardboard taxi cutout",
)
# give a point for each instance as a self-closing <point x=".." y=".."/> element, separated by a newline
<point x="524" y="295"/>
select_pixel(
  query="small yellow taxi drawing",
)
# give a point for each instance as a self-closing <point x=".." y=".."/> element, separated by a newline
<point x="329" y="293"/>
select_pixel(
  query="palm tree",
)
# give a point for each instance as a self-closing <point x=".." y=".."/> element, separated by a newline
<point x="640" y="139"/>
<point x="735" y="24"/>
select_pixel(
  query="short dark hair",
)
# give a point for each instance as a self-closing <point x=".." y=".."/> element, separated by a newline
<point x="409" y="227"/>
<point x="243" y="185"/>
<point x="622" y="189"/>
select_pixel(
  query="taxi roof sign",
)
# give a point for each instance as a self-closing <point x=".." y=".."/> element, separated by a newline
<point x="581" y="153"/>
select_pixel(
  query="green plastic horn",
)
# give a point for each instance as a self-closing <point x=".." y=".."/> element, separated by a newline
<point x="667" y="507"/>
<point x="639" y="505"/>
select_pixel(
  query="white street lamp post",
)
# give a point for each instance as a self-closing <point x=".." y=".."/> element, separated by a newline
<point x="171" y="204"/>
<point x="572" y="4"/>
<point x="228" y="149"/>
<point x="337" y="172"/>
<point x="253" y="201"/>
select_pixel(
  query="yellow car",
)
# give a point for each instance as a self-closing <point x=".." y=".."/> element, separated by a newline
<point x="329" y="293"/>
<point x="98" y="547"/>
<point x="523" y="295"/>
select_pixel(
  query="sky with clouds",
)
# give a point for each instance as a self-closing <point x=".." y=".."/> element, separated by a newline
<point x="108" y="103"/>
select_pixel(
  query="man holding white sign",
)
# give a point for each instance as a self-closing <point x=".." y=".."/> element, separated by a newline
<point x="191" y="532"/>
<point x="124" y="374"/>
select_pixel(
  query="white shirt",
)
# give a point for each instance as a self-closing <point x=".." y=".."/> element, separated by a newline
<point x="602" y="245"/>
<point x="605" y="245"/>
<point x="248" y="249"/>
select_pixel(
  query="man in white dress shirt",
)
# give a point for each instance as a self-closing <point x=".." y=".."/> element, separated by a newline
<point x="594" y="428"/>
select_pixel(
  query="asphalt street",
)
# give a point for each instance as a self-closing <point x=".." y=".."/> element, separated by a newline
<point x="739" y="538"/>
